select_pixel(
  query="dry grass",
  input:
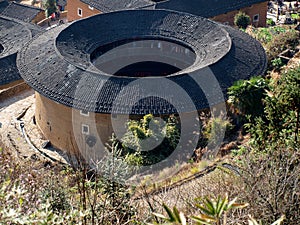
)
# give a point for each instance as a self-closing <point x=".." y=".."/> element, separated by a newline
<point x="217" y="183"/>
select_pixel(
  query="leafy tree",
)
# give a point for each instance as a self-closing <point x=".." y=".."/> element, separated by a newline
<point x="285" y="97"/>
<point x="242" y="20"/>
<point x="50" y="7"/>
<point x="246" y="96"/>
<point x="282" y="107"/>
<point x="150" y="140"/>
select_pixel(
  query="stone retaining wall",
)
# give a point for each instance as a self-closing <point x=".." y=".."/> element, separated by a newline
<point x="11" y="91"/>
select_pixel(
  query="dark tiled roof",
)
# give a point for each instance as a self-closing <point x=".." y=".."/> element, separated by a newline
<point x="206" y="8"/>
<point x="114" y="5"/>
<point x="21" y="12"/>
<point x="62" y="2"/>
<point x="3" y="5"/>
<point x="61" y="70"/>
<point x="8" y="70"/>
<point x="14" y="34"/>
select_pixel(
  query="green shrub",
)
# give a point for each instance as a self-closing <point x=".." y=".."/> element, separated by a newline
<point x="217" y="128"/>
<point x="271" y="166"/>
<point x="161" y="136"/>
<point x="281" y="119"/>
<point x="277" y="63"/>
<point x="280" y="42"/>
<point x="56" y="198"/>
<point x="270" y="22"/>
<point x="50" y="7"/>
<point x="246" y="96"/>
<point x="242" y="20"/>
<point x="266" y="35"/>
<point x="295" y="16"/>
<point x="276" y="39"/>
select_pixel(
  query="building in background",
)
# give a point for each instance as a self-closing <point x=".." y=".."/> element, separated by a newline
<point x="218" y="10"/>
<point x="14" y="34"/>
<point x="61" y="4"/>
<point x="221" y="10"/>
<point x="25" y="13"/>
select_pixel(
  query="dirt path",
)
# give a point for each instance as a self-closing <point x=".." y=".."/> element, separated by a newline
<point x="15" y="110"/>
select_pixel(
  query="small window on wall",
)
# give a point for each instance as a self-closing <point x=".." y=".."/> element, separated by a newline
<point x="256" y="18"/>
<point x="49" y="125"/>
<point x="79" y="12"/>
<point x="84" y="113"/>
<point x="85" y="129"/>
<point x="91" y="7"/>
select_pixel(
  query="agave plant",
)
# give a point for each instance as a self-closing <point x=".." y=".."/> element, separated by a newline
<point x="174" y="217"/>
<point x="213" y="211"/>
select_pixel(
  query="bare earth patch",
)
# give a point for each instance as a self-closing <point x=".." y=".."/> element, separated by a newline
<point x="20" y="110"/>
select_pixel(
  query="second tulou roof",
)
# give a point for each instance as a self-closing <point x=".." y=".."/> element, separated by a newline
<point x="205" y="8"/>
<point x="21" y="12"/>
<point x="14" y="34"/>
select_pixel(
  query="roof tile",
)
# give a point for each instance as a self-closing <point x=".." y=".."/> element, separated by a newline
<point x="222" y="51"/>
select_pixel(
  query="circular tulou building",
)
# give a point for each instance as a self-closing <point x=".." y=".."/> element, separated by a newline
<point x="92" y="75"/>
